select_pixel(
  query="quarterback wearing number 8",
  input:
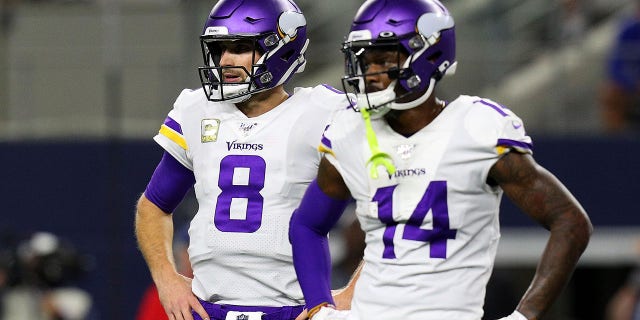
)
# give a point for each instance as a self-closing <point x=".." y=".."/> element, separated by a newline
<point x="248" y="148"/>
<point x="427" y="176"/>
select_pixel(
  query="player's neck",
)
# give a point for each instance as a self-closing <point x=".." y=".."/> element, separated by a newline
<point x="262" y="102"/>
<point x="407" y="122"/>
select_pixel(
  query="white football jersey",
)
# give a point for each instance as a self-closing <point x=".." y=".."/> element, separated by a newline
<point x="250" y="175"/>
<point x="432" y="228"/>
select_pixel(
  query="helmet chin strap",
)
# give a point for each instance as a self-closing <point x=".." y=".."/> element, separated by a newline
<point x="380" y="102"/>
<point x="240" y="89"/>
<point x="231" y="90"/>
<point x="234" y="90"/>
<point x="376" y="103"/>
<point x="412" y="104"/>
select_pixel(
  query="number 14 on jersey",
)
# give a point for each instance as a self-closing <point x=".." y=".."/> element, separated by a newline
<point x="435" y="200"/>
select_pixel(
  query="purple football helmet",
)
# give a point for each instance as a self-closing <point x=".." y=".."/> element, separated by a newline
<point x="422" y="29"/>
<point x="276" y="28"/>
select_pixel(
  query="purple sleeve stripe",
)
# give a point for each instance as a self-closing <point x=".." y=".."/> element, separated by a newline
<point x="326" y="142"/>
<point x="515" y="144"/>
<point x="332" y="88"/>
<point x="169" y="122"/>
<point x="495" y="107"/>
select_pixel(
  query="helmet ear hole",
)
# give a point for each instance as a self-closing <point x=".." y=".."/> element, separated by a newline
<point x="287" y="55"/>
<point x="435" y="56"/>
<point x="393" y="73"/>
<point x="258" y="48"/>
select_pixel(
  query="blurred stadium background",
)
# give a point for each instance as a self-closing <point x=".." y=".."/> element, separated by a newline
<point x="84" y="85"/>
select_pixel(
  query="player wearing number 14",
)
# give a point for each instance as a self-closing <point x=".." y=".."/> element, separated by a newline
<point x="427" y="176"/>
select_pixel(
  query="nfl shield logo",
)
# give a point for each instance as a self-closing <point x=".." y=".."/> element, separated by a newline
<point x="242" y="317"/>
<point x="405" y="150"/>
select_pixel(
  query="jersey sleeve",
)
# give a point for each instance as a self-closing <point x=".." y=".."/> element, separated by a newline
<point x="334" y="133"/>
<point x="171" y="136"/>
<point x="493" y="125"/>
<point x="333" y="101"/>
<point x="325" y="101"/>
<point x="330" y="134"/>
<point x="513" y="136"/>
<point x="325" y="145"/>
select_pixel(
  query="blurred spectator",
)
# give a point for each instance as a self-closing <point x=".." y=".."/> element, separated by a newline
<point x="7" y="15"/>
<point x="620" y="94"/>
<point x="6" y="264"/>
<point x="573" y="22"/>
<point x="42" y="272"/>
<point x="150" y="307"/>
<point x="625" y="304"/>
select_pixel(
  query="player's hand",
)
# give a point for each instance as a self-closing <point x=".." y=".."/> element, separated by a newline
<point x="178" y="300"/>
<point x="328" y="313"/>
<point x="514" y="316"/>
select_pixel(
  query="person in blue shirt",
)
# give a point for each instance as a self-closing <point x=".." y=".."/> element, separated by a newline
<point x="620" y="94"/>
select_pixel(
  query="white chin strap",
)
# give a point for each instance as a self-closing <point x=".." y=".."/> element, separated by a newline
<point x="416" y="102"/>
<point x="377" y="103"/>
<point x="380" y="102"/>
<point x="233" y="90"/>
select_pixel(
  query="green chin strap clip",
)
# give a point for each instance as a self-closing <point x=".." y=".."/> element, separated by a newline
<point x="378" y="158"/>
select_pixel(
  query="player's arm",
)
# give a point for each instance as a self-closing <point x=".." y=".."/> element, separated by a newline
<point x="154" y="232"/>
<point x="321" y="207"/>
<point x="545" y="199"/>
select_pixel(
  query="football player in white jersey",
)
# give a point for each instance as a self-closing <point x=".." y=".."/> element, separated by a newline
<point x="249" y="149"/>
<point x="427" y="176"/>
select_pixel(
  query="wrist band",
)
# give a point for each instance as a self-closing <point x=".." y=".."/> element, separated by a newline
<point x="317" y="308"/>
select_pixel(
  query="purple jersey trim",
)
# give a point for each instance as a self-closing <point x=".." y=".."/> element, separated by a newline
<point x="326" y="140"/>
<point x="169" y="122"/>
<point x="495" y="107"/>
<point x="332" y="88"/>
<point x="169" y="183"/>
<point x="515" y="144"/>
<point x="309" y="227"/>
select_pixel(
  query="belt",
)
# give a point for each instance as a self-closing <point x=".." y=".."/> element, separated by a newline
<point x="219" y="311"/>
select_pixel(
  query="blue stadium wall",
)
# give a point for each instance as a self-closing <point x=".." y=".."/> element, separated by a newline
<point x="86" y="192"/>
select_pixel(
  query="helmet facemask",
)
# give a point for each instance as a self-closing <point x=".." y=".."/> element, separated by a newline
<point x="213" y="83"/>
<point x="394" y="64"/>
